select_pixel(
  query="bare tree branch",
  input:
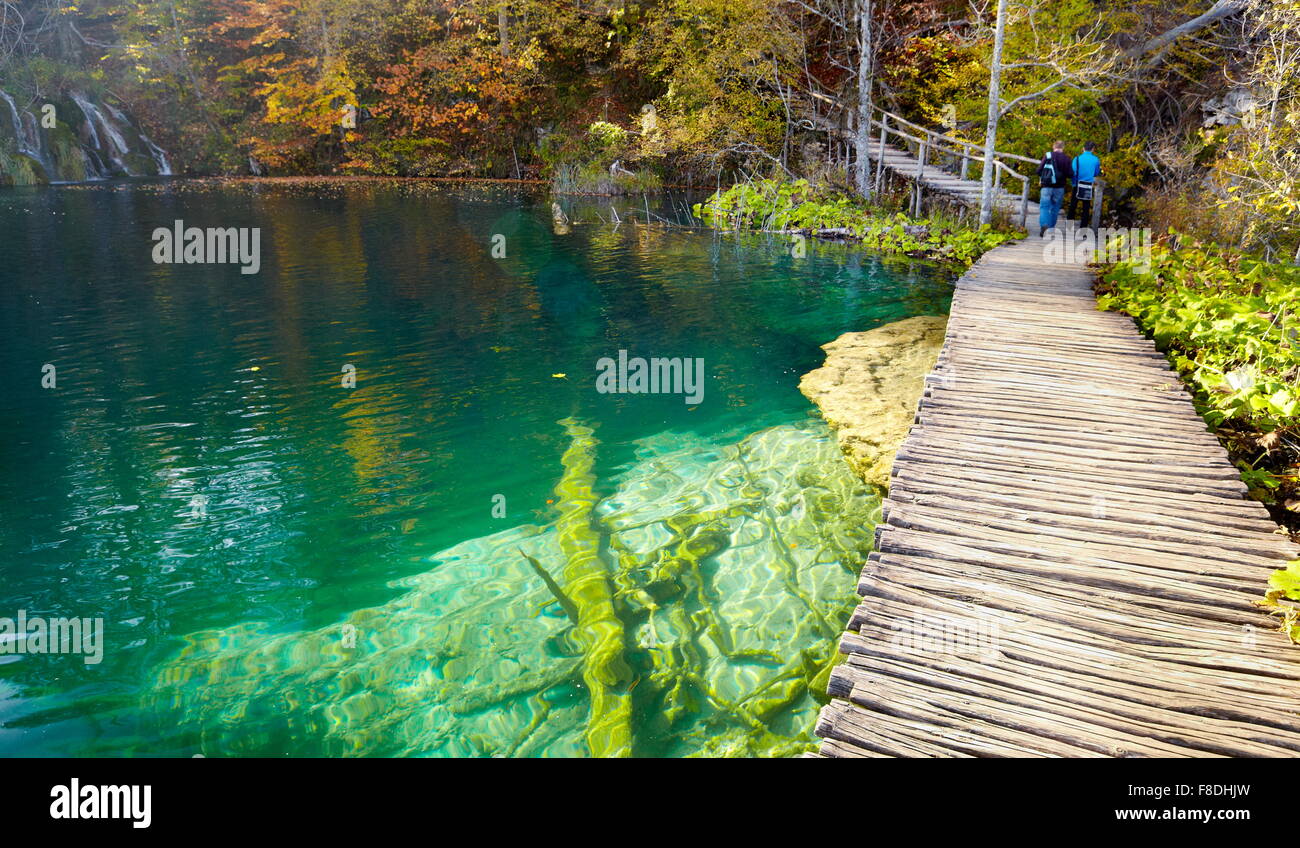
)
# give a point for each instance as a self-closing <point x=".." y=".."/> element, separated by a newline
<point x="1221" y="9"/>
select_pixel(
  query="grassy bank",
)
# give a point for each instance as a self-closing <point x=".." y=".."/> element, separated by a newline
<point x="798" y="207"/>
<point x="1231" y="326"/>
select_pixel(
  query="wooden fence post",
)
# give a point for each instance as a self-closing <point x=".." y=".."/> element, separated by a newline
<point x="1097" y="187"/>
<point x="1024" y="204"/>
<point x="920" y="173"/>
<point x="880" y="158"/>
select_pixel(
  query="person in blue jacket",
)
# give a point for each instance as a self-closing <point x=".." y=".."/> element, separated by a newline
<point x="1086" y="167"/>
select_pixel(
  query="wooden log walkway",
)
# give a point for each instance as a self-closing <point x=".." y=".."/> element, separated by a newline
<point x="1067" y="564"/>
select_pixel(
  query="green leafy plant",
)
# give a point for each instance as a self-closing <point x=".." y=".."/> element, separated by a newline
<point x="1284" y="586"/>
<point x="1228" y="322"/>
<point x="796" y="205"/>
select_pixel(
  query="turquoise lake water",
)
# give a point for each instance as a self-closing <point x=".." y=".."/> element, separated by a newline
<point x="285" y="565"/>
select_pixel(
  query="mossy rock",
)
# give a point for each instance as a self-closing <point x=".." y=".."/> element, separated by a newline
<point x="869" y="389"/>
<point x="141" y="165"/>
<point x="17" y="169"/>
<point x="65" y="149"/>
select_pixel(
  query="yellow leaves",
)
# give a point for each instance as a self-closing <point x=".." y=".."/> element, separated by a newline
<point x="297" y="96"/>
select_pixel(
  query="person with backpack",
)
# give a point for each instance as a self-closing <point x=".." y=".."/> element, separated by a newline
<point x="1054" y="176"/>
<point x="1086" y="167"/>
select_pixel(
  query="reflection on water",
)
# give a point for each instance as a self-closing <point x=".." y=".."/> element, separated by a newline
<point x="365" y="515"/>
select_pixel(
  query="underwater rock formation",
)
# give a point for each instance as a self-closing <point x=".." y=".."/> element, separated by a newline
<point x="870" y="386"/>
<point x="86" y="141"/>
<point x="688" y="612"/>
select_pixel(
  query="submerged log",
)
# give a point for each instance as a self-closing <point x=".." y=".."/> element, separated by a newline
<point x="587" y="582"/>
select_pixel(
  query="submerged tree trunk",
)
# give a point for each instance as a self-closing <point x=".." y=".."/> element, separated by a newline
<point x="995" y="112"/>
<point x="862" y="132"/>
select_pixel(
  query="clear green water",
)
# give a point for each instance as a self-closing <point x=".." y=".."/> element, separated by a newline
<point x="347" y="588"/>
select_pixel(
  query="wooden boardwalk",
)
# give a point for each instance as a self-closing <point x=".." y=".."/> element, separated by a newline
<point x="936" y="179"/>
<point x="1067" y="564"/>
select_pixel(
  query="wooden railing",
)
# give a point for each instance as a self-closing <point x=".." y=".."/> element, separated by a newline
<point x="929" y="142"/>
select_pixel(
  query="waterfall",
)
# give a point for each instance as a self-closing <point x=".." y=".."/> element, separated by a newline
<point x="117" y="147"/>
<point x="104" y="143"/>
<point x="159" y="156"/>
<point x="95" y="169"/>
<point x="20" y="128"/>
<point x="31" y="142"/>
<point x="156" y="152"/>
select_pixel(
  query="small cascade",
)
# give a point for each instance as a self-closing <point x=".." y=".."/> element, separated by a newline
<point x="25" y="144"/>
<point x="31" y="142"/>
<point x="158" y="155"/>
<point x="89" y="141"/>
<point x="101" y="130"/>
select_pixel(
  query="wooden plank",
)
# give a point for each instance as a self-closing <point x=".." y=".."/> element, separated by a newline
<point x="1113" y="518"/>
<point x="1111" y="437"/>
<point x="1153" y="534"/>
<point x="1114" y="567"/>
<point x="1227" y="677"/>
<point x="1232" y="512"/>
<point x="1208" y="471"/>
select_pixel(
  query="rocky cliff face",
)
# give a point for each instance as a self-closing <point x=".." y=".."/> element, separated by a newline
<point x="72" y="138"/>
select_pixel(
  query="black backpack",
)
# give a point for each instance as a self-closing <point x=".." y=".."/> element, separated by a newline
<point x="1047" y="171"/>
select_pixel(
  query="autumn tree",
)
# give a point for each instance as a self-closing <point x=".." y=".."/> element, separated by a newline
<point x="449" y="104"/>
<point x="1258" y="174"/>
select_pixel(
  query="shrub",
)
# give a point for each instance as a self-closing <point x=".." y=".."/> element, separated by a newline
<point x="1228" y="322"/>
<point x="797" y="205"/>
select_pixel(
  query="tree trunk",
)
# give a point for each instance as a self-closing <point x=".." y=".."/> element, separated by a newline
<point x="862" y="132"/>
<point x="503" y="29"/>
<point x="194" y="79"/>
<point x="995" y="112"/>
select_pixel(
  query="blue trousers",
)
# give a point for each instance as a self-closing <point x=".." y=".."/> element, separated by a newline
<point x="1049" y="206"/>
